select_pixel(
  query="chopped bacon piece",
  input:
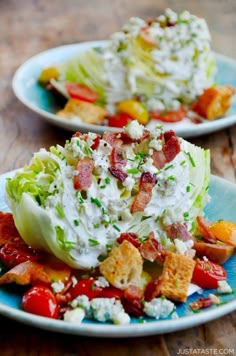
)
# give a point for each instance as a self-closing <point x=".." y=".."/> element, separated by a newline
<point x="178" y="231"/>
<point x="152" y="250"/>
<point x="77" y="134"/>
<point x="128" y="140"/>
<point x="132" y="301"/>
<point x="118" y="173"/>
<point x="159" y="159"/>
<point x="203" y="227"/>
<point x="201" y="303"/>
<point x="168" y="134"/>
<point x="83" y="179"/>
<point x="112" y="139"/>
<point x="153" y="290"/>
<point x="118" y="156"/>
<point x="96" y="142"/>
<point x="132" y="237"/>
<point x="171" y="148"/>
<point x="8" y="231"/>
<point x="147" y="182"/>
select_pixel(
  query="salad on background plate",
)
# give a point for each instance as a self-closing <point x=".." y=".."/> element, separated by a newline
<point x="157" y="71"/>
<point x="111" y="229"/>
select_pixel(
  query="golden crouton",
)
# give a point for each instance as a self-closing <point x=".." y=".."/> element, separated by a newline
<point x="87" y="112"/>
<point x="123" y="266"/>
<point x="176" y="276"/>
<point x="214" y="102"/>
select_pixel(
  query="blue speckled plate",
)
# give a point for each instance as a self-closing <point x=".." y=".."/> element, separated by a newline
<point x="221" y="206"/>
<point x="30" y="93"/>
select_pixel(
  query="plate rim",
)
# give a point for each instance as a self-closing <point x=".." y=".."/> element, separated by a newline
<point x="155" y="327"/>
<point x="202" y="129"/>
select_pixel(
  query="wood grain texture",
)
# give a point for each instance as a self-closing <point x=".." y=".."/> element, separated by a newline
<point x="31" y="26"/>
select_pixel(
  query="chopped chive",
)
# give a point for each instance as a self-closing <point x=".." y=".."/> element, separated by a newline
<point x="78" y="143"/>
<point x="109" y="247"/>
<point x="104" y="211"/>
<point x="171" y="178"/>
<point x="92" y="286"/>
<point x="141" y="321"/>
<point x="107" y="180"/>
<point x="188" y="188"/>
<point x="76" y="222"/>
<point x="96" y="226"/>
<point x="185" y="214"/>
<point x="190" y="159"/>
<point x="168" y="167"/>
<point x="116" y="227"/>
<point x="133" y="171"/>
<point x="182" y="162"/>
<point x="102" y="186"/>
<point x="121" y="154"/>
<point x="60" y="211"/>
<point x="96" y="201"/>
<point x="207" y="187"/>
<point x="143" y="239"/>
<point x="131" y="160"/>
<point x="86" y="275"/>
<point x="93" y="242"/>
<point x="87" y="150"/>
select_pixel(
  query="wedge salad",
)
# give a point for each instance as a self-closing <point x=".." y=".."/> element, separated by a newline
<point x="112" y="227"/>
<point x="161" y="69"/>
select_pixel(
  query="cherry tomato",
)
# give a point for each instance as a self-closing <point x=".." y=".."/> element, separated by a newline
<point x="169" y="116"/>
<point x="85" y="286"/>
<point x="81" y="92"/>
<point x="111" y="292"/>
<point x="119" y="120"/>
<point x="135" y="109"/>
<point x="40" y="300"/>
<point x="12" y="254"/>
<point x="206" y="274"/>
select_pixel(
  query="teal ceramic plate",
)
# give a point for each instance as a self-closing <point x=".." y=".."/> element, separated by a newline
<point x="30" y="93"/>
<point x="221" y="206"/>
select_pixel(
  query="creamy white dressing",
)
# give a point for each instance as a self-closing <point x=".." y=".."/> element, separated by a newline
<point x="86" y="224"/>
<point x="176" y="70"/>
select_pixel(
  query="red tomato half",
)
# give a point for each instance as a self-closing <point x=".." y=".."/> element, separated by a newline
<point x="85" y="286"/>
<point x="12" y="254"/>
<point x="111" y="292"/>
<point x="81" y="92"/>
<point x="169" y="116"/>
<point x="40" y="300"/>
<point x="206" y="274"/>
<point x="119" y="120"/>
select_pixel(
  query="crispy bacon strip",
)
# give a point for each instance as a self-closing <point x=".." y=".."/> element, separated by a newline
<point x="118" y="173"/>
<point x="152" y="250"/>
<point x="146" y="184"/>
<point x="178" y="231"/>
<point x="8" y="231"/>
<point x="201" y="303"/>
<point x="112" y="139"/>
<point x="159" y="159"/>
<point x="132" y="300"/>
<point x="132" y="237"/>
<point x="83" y="179"/>
<point x="171" y="148"/>
<point x="118" y="156"/>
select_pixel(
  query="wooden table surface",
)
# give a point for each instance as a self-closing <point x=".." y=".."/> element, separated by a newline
<point x="29" y="27"/>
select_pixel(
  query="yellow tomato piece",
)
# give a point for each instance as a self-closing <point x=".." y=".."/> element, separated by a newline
<point x="135" y="109"/>
<point x="145" y="279"/>
<point x="224" y="231"/>
<point x="47" y="74"/>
